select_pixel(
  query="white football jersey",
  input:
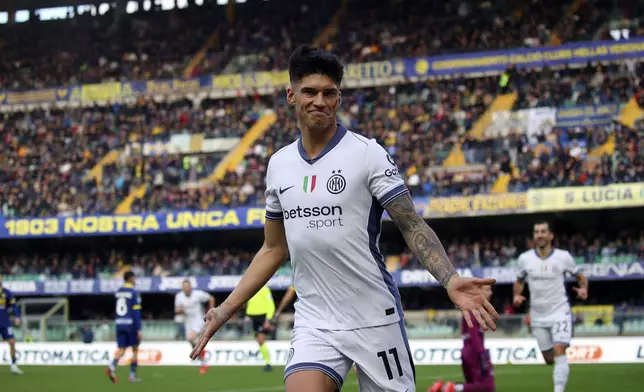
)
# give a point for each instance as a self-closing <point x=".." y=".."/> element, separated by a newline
<point x="546" y="279"/>
<point x="192" y="305"/>
<point x="332" y="208"/>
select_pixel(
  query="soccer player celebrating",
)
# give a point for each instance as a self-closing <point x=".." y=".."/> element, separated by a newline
<point x="325" y="196"/>
<point x="128" y="326"/>
<point x="7" y="304"/>
<point x="189" y="302"/>
<point x="475" y="360"/>
<point x="544" y="269"/>
<point x="260" y="309"/>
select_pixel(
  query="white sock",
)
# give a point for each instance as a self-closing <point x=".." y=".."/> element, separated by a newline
<point x="560" y="373"/>
<point x="458" y="387"/>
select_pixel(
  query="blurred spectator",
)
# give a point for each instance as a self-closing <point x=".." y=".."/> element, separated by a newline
<point x="625" y="246"/>
<point x="87" y="336"/>
<point x="119" y="46"/>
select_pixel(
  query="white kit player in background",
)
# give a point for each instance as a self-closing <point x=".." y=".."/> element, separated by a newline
<point x="325" y="197"/>
<point x="189" y="303"/>
<point x="545" y="268"/>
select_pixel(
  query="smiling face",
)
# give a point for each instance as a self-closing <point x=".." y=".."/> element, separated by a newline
<point x="542" y="235"/>
<point x="316" y="99"/>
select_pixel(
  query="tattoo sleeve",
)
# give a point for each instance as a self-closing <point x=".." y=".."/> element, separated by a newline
<point x="421" y="239"/>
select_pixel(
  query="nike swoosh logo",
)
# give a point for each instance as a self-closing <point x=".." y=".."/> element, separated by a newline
<point x="285" y="189"/>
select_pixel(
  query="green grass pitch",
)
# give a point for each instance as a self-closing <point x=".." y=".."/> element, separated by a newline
<point x="509" y="378"/>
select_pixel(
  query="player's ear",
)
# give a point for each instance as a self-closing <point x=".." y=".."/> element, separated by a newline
<point x="339" y="99"/>
<point x="290" y="96"/>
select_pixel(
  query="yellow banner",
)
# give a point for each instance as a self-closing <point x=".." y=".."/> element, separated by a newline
<point x="100" y="92"/>
<point x="586" y="197"/>
<point x="494" y="204"/>
<point x="591" y="313"/>
<point x="251" y="80"/>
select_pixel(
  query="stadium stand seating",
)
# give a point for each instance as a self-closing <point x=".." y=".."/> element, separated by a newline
<point x="90" y="165"/>
<point x="195" y="260"/>
<point x="90" y="49"/>
<point x="418" y="124"/>
<point x="48" y="157"/>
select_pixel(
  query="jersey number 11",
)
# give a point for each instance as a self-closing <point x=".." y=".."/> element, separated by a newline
<point x="385" y="361"/>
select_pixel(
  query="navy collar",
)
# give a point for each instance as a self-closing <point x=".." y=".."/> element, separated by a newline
<point x="547" y="257"/>
<point x="339" y="134"/>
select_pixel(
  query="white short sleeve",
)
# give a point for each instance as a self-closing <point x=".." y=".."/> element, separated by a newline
<point x="385" y="182"/>
<point x="177" y="300"/>
<point x="203" y="296"/>
<point x="523" y="273"/>
<point x="569" y="264"/>
<point x="273" y="206"/>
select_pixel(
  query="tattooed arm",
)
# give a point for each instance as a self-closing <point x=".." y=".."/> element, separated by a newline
<point x="421" y="239"/>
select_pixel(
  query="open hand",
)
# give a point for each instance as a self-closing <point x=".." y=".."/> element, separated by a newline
<point x="582" y="293"/>
<point x="214" y="320"/>
<point x="467" y="296"/>
<point x="518" y="300"/>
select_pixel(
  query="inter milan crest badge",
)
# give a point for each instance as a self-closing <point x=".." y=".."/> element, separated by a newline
<point x="336" y="183"/>
<point x="290" y="355"/>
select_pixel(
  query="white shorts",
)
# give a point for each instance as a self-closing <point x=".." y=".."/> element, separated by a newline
<point x="382" y="356"/>
<point x="555" y="328"/>
<point x="195" y="326"/>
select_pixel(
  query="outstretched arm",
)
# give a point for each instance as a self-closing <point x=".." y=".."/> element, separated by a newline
<point x="261" y="269"/>
<point x="582" y="290"/>
<point x="264" y="265"/>
<point x="517" y="290"/>
<point x="421" y="239"/>
<point x="519" y="284"/>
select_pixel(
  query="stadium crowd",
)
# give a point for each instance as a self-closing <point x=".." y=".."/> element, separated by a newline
<point x="47" y="155"/>
<point x="95" y="48"/>
<point x="369" y="31"/>
<point x="591" y="247"/>
<point x="99" y="48"/>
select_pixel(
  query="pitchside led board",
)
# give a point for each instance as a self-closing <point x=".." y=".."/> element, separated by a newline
<point x="424" y="352"/>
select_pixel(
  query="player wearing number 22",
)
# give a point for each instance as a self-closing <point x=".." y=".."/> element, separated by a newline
<point x="325" y="196"/>
<point x="128" y="326"/>
<point x="544" y="268"/>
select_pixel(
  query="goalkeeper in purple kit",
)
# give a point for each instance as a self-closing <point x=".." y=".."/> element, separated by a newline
<point x="476" y="363"/>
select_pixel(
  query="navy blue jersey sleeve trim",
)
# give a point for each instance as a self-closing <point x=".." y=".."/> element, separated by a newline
<point x="392" y="194"/>
<point x="274" y="216"/>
